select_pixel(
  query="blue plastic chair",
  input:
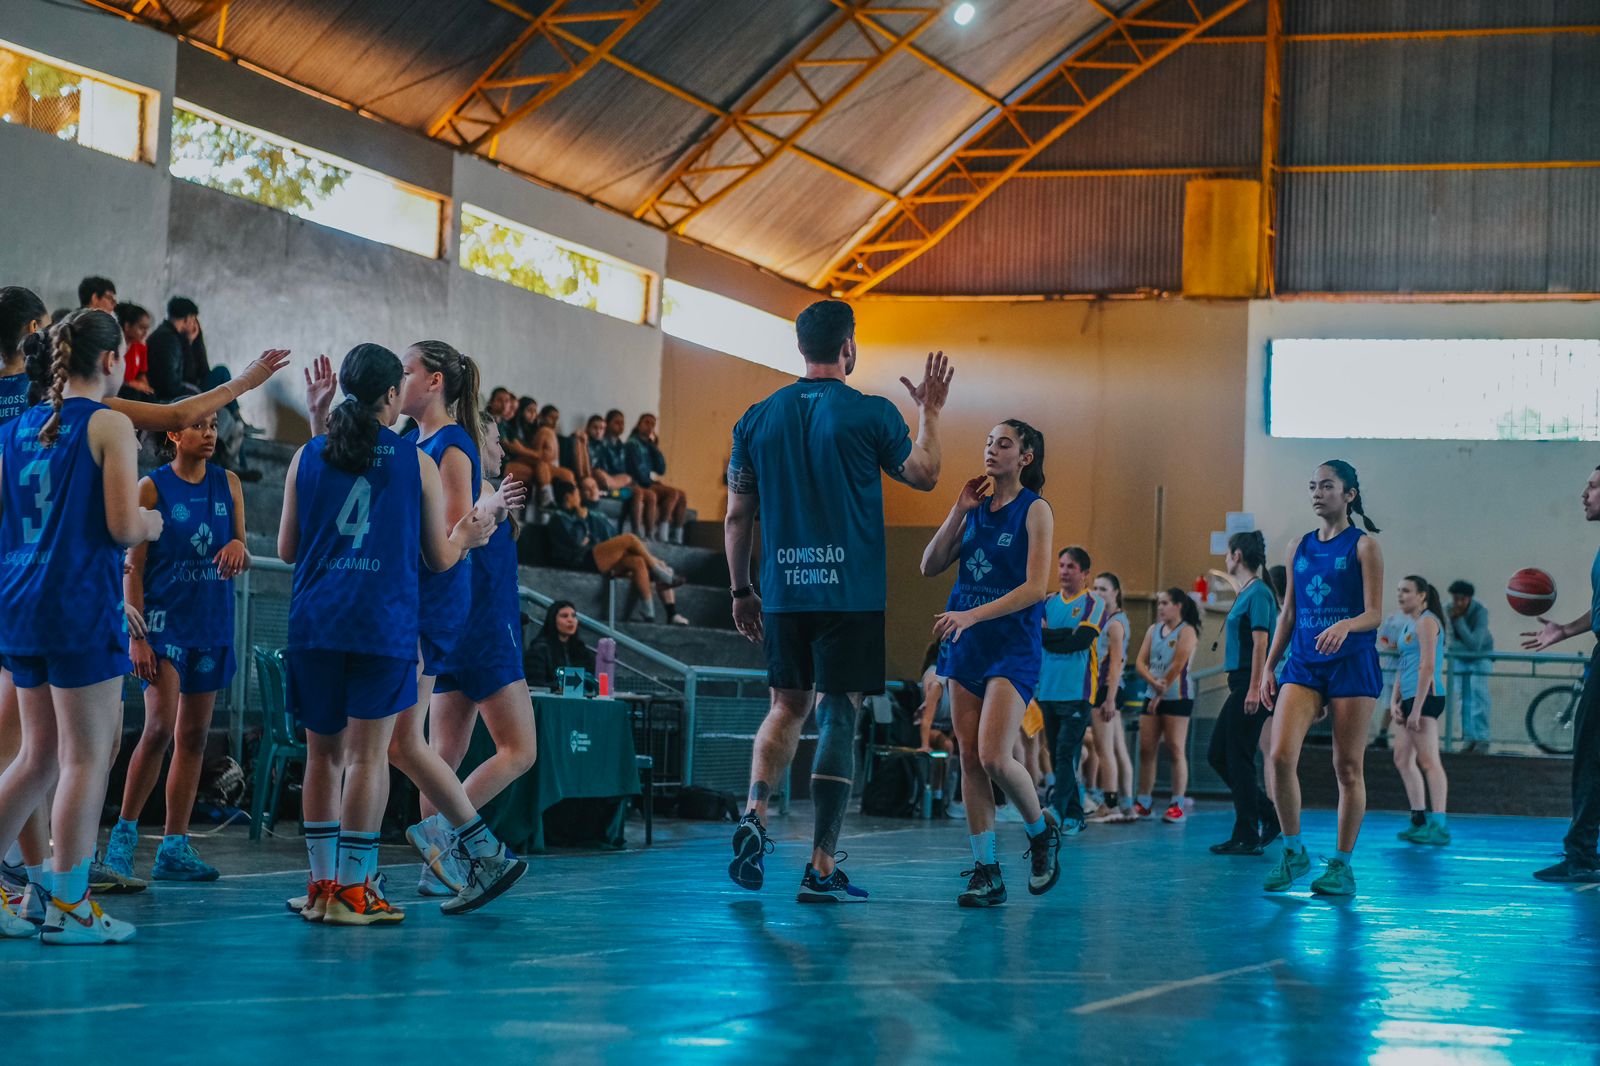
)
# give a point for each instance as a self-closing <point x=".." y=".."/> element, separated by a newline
<point x="281" y="743"/>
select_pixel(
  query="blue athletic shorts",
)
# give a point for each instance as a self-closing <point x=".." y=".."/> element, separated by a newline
<point x="328" y="688"/>
<point x="1346" y="677"/>
<point x="979" y="686"/>
<point x="78" y="670"/>
<point x="478" y="683"/>
<point x="199" y="669"/>
<point x="436" y="649"/>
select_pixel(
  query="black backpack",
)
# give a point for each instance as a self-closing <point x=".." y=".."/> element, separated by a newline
<point x="896" y="788"/>
<point x="707" y="804"/>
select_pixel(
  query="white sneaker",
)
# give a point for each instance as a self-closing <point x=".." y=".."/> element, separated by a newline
<point x="434" y="847"/>
<point x="12" y="924"/>
<point x="84" y="923"/>
<point x="487" y="877"/>
<point x="679" y="620"/>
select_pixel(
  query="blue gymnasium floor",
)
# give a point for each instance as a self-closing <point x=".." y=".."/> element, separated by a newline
<point x="1151" y="950"/>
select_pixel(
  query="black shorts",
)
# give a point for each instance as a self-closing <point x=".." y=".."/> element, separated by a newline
<point x="1432" y="707"/>
<point x="834" y="652"/>
<point x="1172" y="709"/>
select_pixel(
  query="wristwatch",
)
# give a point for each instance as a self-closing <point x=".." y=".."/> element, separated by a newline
<point x="741" y="592"/>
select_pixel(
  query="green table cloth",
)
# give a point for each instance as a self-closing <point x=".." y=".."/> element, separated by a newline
<point x="580" y="785"/>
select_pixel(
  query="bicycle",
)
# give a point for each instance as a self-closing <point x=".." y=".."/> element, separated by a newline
<point x="1552" y="717"/>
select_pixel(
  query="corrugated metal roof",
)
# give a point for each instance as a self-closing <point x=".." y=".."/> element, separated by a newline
<point x="1060" y="235"/>
<point x="1356" y="16"/>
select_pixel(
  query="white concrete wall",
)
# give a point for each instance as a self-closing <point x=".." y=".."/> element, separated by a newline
<point x="1477" y="510"/>
<point x="264" y="278"/>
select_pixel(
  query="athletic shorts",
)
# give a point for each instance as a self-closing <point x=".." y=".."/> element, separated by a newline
<point x="1432" y="707"/>
<point x="328" y="688"/>
<point x="78" y="670"/>
<point x="436" y="649"/>
<point x="1171" y="709"/>
<point x="1347" y="677"/>
<point x="199" y="669"/>
<point x="834" y="652"/>
<point x="978" y="686"/>
<point x="1033" y="719"/>
<point x="1101" y="691"/>
<point x="492" y="669"/>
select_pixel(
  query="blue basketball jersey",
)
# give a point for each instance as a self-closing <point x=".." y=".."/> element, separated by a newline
<point x="13" y="396"/>
<point x="355" y="581"/>
<point x="60" y="571"/>
<point x="447" y="597"/>
<point x="496" y="615"/>
<point x="1327" y="589"/>
<point x="994" y="561"/>
<point x="1410" y="645"/>
<point x="186" y="603"/>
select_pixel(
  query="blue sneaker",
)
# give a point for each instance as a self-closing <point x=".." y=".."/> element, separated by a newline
<point x="751" y="846"/>
<point x="835" y="888"/>
<point x="179" y="862"/>
<point x="119" y="850"/>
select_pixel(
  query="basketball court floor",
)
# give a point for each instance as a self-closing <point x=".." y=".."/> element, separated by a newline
<point x="1150" y="950"/>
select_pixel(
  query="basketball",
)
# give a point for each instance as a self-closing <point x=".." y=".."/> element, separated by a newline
<point x="1531" y="591"/>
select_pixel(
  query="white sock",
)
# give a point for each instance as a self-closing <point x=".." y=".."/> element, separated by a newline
<point x="677" y="535"/>
<point x="14" y="854"/>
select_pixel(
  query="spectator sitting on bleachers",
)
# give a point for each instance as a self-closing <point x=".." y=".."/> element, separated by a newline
<point x="502" y="404"/>
<point x="135" y="323"/>
<point x="608" y="454"/>
<point x="546" y="449"/>
<point x="572" y="452"/>
<point x="516" y="436"/>
<point x="646" y="464"/>
<point x="98" y="293"/>
<point x="581" y="539"/>
<point x="558" y="644"/>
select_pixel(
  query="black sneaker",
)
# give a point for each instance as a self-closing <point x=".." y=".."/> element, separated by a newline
<point x="1236" y="847"/>
<point x="1044" y="856"/>
<point x="835" y="888"/>
<point x="1271" y="829"/>
<point x="1568" y="872"/>
<point x="750" y="849"/>
<point x="984" y="887"/>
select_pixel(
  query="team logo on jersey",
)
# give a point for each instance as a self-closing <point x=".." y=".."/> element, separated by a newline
<point x="201" y="541"/>
<point x="1300" y="565"/>
<point x="980" y="565"/>
<point x="1004" y="541"/>
<point x="180" y="512"/>
<point x="1318" y="590"/>
<point x="1341" y="563"/>
<point x="220" y="509"/>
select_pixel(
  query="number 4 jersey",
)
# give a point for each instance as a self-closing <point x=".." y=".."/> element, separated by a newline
<point x="355" y="578"/>
<point x="60" y="571"/>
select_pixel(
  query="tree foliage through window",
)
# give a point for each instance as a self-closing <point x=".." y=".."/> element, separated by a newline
<point x="243" y="164"/>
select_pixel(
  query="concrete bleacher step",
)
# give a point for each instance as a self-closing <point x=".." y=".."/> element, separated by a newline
<point x="704" y="606"/>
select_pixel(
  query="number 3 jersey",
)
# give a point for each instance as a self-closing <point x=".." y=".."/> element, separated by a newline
<point x="355" y="576"/>
<point x="60" y="571"/>
<point x="187" y="604"/>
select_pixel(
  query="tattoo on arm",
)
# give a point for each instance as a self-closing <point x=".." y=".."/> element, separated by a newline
<point x="741" y="480"/>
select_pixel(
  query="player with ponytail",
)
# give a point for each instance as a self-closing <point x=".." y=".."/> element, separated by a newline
<point x="1415" y="704"/>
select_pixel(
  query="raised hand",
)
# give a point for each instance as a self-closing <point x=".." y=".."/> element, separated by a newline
<point x="320" y="384"/>
<point x="262" y="368"/>
<point x="935" y="387"/>
<point x="974" y="492"/>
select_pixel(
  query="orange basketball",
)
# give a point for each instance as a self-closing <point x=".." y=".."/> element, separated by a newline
<point x="1531" y="591"/>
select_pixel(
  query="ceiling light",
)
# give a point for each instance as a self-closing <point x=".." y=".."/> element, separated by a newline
<point x="963" y="14"/>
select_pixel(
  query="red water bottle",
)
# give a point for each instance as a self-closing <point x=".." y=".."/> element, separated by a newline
<point x="1200" y="589"/>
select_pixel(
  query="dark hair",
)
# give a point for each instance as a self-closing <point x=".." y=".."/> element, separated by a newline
<point x="592" y="419"/>
<point x="128" y="313"/>
<point x="93" y="287"/>
<point x="182" y="307"/>
<point x="1079" y="556"/>
<point x="1252" y="548"/>
<point x="639" y="423"/>
<point x="1430" y="595"/>
<point x="523" y="403"/>
<point x="548" y="629"/>
<point x="1459" y="587"/>
<point x="1278" y="578"/>
<point x="1030" y="440"/>
<point x="460" y="384"/>
<point x="76" y="344"/>
<point x="615" y="412"/>
<point x="163" y="445"/>
<point x="1347" y="475"/>
<point x="561" y="488"/>
<point x="496" y="391"/>
<point x="1116" y="584"/>
<point x="930" y="656"/>
<point x="367" y="374"/>
<point x="549" y="408"/>
<point x="822" y="329"/>
<point x="1186" y="606"/>
<point x="18" y="307"/>
<point x="36" y="364"/>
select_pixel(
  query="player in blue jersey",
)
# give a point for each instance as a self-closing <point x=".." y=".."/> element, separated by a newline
<point x="1332" y="607"/>
<point x="69" y="505"/>
<point x="21" y="313"/>
<point x="809" y="459"/>
<point x="362" y="506"/>
<point x="183" y="586"/>
<point x="1166" y="663"/>
<point x="1416" y="701"/>
<point x="1237" y="733"/>
<point x="992" y="633"/>
<point x="1067" y="678"/>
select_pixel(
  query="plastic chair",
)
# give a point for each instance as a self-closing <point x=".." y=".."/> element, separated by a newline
<point x="281" y="745"/>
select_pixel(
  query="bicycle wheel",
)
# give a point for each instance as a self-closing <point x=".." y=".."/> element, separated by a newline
<point x="1552" y="719"/>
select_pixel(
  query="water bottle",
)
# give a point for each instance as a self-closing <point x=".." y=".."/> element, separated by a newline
<point x="605" y="663"/>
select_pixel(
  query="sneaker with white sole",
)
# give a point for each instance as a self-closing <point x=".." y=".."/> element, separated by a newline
<point x="12" y="924"/>
<point x="35" y="903"/>
<point x="487" y="877"/>
<point x="835" y="888"/>
<point x="105" y="881"/>
<point x="1175" y="814"/>
<point x="82" y="923"/>
<point x="433" y="845"/>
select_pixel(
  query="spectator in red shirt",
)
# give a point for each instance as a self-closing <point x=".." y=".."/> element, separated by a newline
<point x="135" y="323"/>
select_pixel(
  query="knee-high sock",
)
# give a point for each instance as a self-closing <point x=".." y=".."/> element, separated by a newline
<point x="833" y="770"/>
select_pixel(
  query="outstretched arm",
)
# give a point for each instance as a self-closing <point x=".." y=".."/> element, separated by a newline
<point x="180" y="414"/>
<point x="921" y="468"/>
